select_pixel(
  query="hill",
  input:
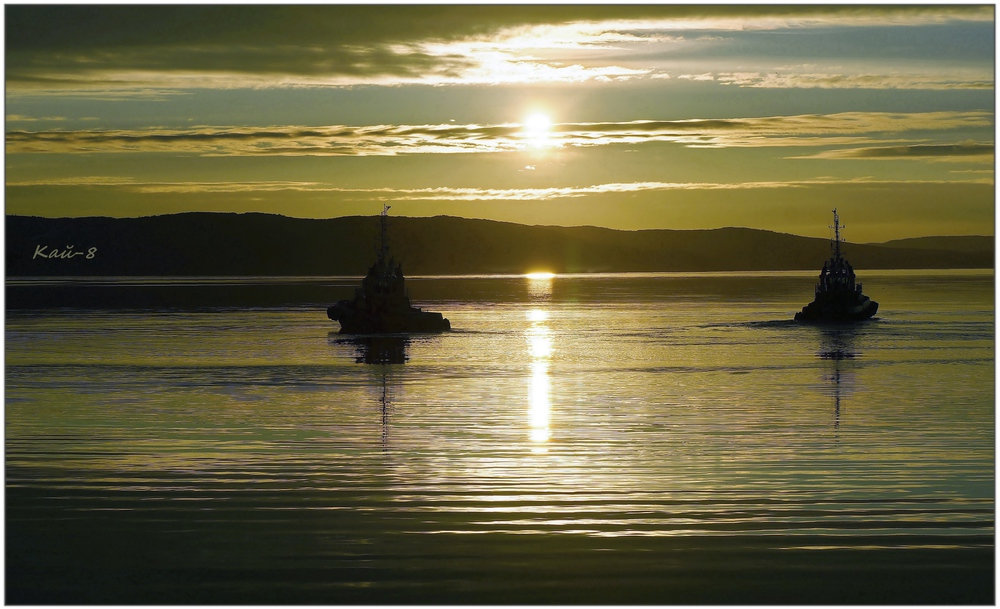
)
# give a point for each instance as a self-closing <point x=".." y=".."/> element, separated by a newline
<point x="971" y="243"/>
<point x="205" y="244"/>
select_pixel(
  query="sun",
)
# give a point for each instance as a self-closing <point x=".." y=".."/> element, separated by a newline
<point x="537" y="125"/>
<point x="536" y="132"/>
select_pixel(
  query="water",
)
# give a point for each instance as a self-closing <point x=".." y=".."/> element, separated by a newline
<point x="584" y="439"/>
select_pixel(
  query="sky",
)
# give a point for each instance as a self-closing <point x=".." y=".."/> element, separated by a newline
<point x="629" y="117"/>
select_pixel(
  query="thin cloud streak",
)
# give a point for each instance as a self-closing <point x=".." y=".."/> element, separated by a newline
<point x="478" y="68"/>
<point x="21" y="118"/>
<point x="954" y="152"/>
<point x="389" y="140"/>
<point x="792" y="80"/>
<point x="449" y="193"/>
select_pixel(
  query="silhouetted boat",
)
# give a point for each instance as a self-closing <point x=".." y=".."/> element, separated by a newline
<point x="838" y="295"/>
<point x="380" y="305"/>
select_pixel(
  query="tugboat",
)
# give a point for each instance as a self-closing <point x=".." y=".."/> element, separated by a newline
<point x="838" y="295"/>
<point x="380" y="305"/>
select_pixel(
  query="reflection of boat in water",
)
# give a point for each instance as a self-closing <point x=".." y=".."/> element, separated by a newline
<point x="838" y="347"/>
<point x="381" y="305"/>
<point x="838" y="295"/>
<point x="837" y="380"/>
<point x="381" y="349"/>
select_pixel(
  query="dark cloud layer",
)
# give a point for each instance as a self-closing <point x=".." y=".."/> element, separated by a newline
<point x="66" y="27"/>
<point x="74" y="45"/>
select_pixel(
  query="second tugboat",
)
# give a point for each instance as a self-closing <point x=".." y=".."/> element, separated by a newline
<point x="380" y="305"/>
<point x="838" y="296"/>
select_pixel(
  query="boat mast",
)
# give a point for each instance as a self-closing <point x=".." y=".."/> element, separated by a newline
<point x="384" y="238"/>
<point x="836" y="234"/>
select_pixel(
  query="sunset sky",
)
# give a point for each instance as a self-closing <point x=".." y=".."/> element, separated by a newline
<point x="647" y="116"/>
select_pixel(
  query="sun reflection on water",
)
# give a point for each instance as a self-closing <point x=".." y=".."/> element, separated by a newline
<point x="539" y="342"/>
<point x="539" y="411"/>
<point x="540" y="285"/>
<point x="539" y="339"/>
<point x="537" y="315"/>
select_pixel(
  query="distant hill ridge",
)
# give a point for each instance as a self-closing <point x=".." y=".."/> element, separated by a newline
<point x="205" y="243"/>
<point x="972" y="243"/>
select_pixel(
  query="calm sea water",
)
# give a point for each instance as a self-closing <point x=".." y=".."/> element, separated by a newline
<point x="584" y="439"/>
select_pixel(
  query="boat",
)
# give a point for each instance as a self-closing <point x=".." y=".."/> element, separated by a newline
<point x="839" y="297"/>
<point x="381" y="305"/>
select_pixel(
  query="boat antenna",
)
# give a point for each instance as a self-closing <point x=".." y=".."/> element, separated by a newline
<point x="384" y="240"/>
<point x="836" y="233"/>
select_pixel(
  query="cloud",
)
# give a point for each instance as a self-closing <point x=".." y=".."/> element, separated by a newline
<point x="792" y="80"/>
<point x="451" y="193"/>
<point x="849" y="128"/>
<point x="75" y="182"/>
<point x="52" y="48"/>
<point x="988" y="172"/>
<point x="69" y="27"/>
<point x="956" y="152"/>
<point x="21" y="118"/>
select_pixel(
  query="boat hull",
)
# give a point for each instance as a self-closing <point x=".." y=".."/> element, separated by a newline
<point x="838" y="310"/>
<point x="411" y="319"/>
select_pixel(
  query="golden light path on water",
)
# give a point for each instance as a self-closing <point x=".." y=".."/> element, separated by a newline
<point x="539" y="339"/>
